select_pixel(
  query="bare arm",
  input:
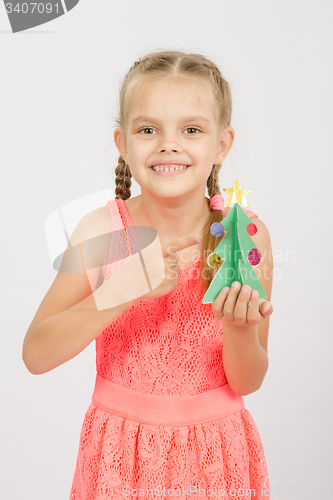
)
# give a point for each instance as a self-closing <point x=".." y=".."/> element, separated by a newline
<point x="62" y="336"/>
<point x="67" y="320"/>
<point x="245" y="361"/>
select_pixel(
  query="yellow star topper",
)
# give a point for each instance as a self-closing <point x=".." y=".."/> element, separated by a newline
<point x="237" y="194"/>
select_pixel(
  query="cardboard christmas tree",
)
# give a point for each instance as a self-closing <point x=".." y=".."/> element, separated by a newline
<point x="236" y="254"/>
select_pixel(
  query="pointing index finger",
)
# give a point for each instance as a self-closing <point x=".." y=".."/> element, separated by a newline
<point x="185" y="242"/>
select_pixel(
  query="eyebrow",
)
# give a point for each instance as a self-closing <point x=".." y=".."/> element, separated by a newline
<point x="186" y="118"/>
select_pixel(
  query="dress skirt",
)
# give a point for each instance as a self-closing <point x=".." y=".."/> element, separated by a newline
<point x="139" y="445"/>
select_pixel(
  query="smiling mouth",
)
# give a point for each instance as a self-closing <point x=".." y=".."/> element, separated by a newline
<point x="158" y="168"/>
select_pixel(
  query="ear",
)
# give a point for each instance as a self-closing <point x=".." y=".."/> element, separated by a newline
<point x="120" y="141"/>
<point x="226" y="140"/>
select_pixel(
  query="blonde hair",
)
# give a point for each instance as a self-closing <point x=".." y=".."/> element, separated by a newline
<point x="177" y="64"/>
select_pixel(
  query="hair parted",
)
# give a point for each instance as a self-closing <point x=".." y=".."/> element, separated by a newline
<point x="178" y="64"/>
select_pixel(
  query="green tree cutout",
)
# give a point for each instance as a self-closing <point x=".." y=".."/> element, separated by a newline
<point x="237" y="252"/>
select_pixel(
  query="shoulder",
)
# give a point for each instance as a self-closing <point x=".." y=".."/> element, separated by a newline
<point x="262" y="235"/>
<point x="93" y="224"/>
<point x="89" y="242"/>
<point x="264" y="269"/>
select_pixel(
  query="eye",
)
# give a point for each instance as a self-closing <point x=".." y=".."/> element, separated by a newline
<point x="192" y="128"/>
<point x="188" y="128"/>
<point x="146" y="128"/>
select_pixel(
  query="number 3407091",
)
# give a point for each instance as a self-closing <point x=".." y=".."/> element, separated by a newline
<point x="31" y="7"/>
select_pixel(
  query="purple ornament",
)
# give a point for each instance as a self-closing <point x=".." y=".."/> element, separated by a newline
<point x="217" y="229"/>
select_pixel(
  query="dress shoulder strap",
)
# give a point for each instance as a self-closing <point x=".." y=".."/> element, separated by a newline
<point x="249" y="213"/>
<point x="117" y="247"/>
<point x="125" y="244"/>
<point x="118" y="214"/>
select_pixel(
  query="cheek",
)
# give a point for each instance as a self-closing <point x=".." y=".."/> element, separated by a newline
<point x="202" y="149"/>
<point x="140" y="148"/>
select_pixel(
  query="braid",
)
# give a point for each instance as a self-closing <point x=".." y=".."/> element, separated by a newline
<point x="213" y="181"/>
<point x="222" y="92"/>
<point x="135" y="65"/>
<point x="123" y="180"/>
<point x="218" y="77"/>
<point x="210" y="242"/>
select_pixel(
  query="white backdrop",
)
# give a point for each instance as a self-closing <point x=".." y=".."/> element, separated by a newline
<point x="59" y="98"/>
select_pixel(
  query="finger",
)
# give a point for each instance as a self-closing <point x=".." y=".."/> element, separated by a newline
<point x="265" y="308"/>
<point x="253" y="312"/>
<point x="230" y="303"/>
<point x="218" y="303"/>
<point x="182" y="243"/>
<point x="241" y="308"/>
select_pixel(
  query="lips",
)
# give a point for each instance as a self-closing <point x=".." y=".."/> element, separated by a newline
<point x="169" y="167"/>
<point x="170" y="173"/>
<point x="168" y="164"/>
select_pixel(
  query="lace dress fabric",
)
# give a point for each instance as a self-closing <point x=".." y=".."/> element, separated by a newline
<point x="170" y="345"/>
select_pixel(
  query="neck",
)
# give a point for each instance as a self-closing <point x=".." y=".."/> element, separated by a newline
<point x="173" y="218"/>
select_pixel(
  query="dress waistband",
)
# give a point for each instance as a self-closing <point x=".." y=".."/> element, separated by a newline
<point x="165" y="410"/>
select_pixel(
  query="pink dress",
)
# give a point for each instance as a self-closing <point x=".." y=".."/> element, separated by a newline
<point x="163" y="421"/>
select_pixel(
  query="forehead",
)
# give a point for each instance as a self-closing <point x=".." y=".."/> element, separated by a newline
<point x="165" y="97"/>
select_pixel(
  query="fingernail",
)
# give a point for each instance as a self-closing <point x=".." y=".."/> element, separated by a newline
<point x="236" y="284"/>
<point x="198" y="239"/>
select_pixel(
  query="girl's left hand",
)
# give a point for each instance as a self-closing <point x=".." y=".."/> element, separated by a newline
<point x="231" y="306"/>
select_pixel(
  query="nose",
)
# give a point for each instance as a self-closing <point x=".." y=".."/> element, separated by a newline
<point x="168" y="144"/>
<point x="167" y="150"/>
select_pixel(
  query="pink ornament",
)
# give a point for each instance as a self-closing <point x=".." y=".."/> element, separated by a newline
<point x="254" y="257"/>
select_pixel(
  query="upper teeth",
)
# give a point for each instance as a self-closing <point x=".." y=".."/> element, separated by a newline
<point x="167" y="169"/>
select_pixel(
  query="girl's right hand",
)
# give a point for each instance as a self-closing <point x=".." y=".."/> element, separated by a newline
<point x="131" y="283"/>
<point x="171" y="267"/>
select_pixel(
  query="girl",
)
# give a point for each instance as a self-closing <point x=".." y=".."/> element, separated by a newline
<point x="167" y="416"/>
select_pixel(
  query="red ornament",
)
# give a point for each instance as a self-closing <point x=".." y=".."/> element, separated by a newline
<point x="251" y="229"/>
<point x="254" y="257"/>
